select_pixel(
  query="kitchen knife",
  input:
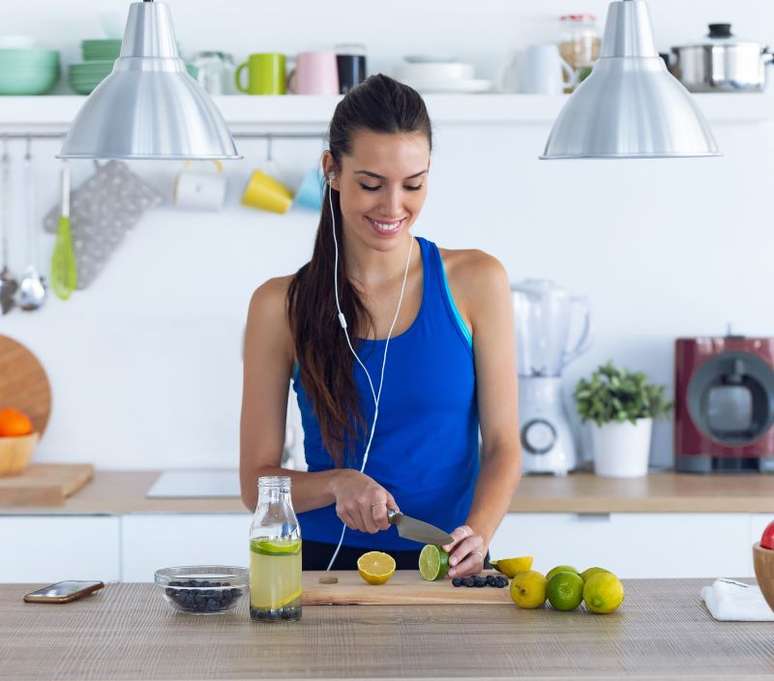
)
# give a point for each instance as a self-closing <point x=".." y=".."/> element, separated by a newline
<point x="418" y="530"/>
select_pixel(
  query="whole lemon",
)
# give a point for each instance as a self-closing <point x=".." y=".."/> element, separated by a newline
<point x="603" y="592"/>
<point x="565" y="590"/>
<point x="528" y="589"/>
<point x="560" y="568"/>
<point x="591" y="571"/>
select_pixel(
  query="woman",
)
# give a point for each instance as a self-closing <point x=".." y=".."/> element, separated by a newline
<point x="433" y="328"/>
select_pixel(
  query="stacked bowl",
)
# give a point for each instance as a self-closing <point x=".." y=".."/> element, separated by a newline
<point x="28" y="70"/>
<point x="98" y="56"/>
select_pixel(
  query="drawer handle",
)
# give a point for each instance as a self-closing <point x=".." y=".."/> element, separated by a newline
<point x="592" y="517"/>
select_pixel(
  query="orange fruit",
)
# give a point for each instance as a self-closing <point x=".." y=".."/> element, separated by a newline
<point x="14" y="423"/>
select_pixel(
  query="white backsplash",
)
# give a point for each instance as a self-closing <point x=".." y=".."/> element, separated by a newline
<point x="145" y="365"/>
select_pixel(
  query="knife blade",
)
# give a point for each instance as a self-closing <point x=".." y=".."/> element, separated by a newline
<point x="418" y="530"/>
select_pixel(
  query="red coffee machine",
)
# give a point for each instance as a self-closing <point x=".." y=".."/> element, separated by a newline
<point x="724" y="404"/>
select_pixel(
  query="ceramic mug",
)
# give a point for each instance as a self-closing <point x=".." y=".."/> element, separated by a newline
<point x="267" y="193"/>
<point x="351" y="65"/>
<point x="315" y="73"/>
<point x="200" y="189"/>
<point x="265" y="74"/>
<point x="541" y="71"/>
<point x="310" y="191"/>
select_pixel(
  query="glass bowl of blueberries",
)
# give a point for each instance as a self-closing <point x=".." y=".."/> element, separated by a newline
<point x="203" y="589"/>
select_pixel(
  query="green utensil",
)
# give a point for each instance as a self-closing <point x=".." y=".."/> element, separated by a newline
<point x="64" y="273"/>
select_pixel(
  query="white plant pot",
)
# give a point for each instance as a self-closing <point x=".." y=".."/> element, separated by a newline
<point x="621" y="450"/>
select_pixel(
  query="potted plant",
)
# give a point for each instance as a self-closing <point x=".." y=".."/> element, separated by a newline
<point x="621" y="406"/>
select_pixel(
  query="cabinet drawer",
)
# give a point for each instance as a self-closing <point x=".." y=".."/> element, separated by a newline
<point x="55" y="548"/>
<point x="633" y="545"/>
<point x="151" y="542"/>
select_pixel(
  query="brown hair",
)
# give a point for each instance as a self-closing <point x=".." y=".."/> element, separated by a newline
<point x="379" y="104"/>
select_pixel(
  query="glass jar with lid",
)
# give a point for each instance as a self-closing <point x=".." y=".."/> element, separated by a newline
<point x="275" y="554"/>
<point x="579" y="44"/>
<point x="215" y="72"/>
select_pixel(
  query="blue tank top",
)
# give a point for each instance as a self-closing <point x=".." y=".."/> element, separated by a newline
<point x="425" y="447"/>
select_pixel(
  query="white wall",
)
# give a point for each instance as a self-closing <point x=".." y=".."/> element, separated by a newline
<point x="145" y="365"/>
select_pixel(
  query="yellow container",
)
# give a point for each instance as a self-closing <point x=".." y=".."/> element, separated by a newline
<point x="16" y="452"/>
<point x="265" y="192"/>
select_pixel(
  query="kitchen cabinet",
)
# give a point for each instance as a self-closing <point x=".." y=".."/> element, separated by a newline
<point x="632" y="545"/>
<point x="54" y="548"/>
<point x="130" y="547"/>
<point x="153" y="541"/>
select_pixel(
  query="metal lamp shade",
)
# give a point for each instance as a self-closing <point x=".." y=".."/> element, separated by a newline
<point x="630" y="106"/>
<point x="149" y="107"/>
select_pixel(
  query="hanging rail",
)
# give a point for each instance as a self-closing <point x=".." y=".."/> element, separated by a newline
<point x="236" y="135"/>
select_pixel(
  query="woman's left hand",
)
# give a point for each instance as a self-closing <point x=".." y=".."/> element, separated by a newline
<point x="466" y="553"/>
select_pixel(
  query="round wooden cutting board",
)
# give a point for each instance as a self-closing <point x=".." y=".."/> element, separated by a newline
<point x="23" y="383"/>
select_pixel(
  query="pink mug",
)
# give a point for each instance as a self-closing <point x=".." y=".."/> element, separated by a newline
<point x="315" y="73"/>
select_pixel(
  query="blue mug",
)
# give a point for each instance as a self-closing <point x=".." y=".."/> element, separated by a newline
<point x="310" y="191"/>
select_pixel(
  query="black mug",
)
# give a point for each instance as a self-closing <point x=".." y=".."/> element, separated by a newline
<point x="351" y="64"/>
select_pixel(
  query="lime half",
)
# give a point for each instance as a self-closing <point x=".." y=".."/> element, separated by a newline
<point x="433" y="563"/>
<point x="275" y="547"/>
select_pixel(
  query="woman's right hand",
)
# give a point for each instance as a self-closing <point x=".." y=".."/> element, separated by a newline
<point x="361" y="502"/>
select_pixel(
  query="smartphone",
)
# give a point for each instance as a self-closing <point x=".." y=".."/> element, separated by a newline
<point x="63" y="592"/>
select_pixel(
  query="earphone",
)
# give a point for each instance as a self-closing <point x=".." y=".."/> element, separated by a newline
<point x="343" y="322"/>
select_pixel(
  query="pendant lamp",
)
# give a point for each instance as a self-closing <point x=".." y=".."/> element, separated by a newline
<point x="630" y="106"/>
<point x="149" y="107"/>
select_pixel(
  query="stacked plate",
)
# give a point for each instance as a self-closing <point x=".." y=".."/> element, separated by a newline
<point x="100" y="50"/>
<point x="28" y="70"/>
<point x="98" y="56"/>
<point x="429" y="74"/>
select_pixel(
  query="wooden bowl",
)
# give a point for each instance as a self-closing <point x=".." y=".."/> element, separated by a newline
<point x="763" y="561"/>
<point x="15" y="453"/>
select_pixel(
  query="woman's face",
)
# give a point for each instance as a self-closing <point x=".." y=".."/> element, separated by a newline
<point x="382" y="185"/>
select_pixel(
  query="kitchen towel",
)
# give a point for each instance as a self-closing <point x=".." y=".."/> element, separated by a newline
<point x="731" y="601"/>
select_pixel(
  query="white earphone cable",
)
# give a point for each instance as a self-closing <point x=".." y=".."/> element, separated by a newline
<point x="377" y="395"/>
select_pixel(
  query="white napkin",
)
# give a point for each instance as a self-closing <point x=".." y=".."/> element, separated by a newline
<point x="728" y="600"/>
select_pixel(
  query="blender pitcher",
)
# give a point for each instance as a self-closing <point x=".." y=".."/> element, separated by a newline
<point x="544" y="313"/>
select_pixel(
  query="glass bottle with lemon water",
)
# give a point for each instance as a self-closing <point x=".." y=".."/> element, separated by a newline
<point x="275" y="554"/>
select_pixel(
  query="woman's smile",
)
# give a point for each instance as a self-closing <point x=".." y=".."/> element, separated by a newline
<point x="386" y="228"/>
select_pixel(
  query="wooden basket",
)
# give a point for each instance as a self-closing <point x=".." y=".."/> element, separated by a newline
<point x="16" y="452"/>
<point x="763" y="561"/>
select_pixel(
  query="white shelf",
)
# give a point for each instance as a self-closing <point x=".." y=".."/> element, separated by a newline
<point x="53" y="114"/>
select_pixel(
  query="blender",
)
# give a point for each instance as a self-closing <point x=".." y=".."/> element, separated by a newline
<point x="544" y="313"/>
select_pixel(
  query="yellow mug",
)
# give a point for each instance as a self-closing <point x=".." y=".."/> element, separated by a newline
<point x="263" y="191"/>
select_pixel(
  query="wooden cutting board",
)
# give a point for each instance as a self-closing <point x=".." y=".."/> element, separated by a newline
<point x="44" y="484"/>
<point x="23" y="383"/>
<point x="405" y="587"/>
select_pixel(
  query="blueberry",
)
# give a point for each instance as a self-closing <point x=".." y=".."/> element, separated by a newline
<point x="502" y="581"/>
<point x="469" y="581"/>
<point x="491" y="580"/>
<point x="479" y="581"/>
<point x="457" y="581"/>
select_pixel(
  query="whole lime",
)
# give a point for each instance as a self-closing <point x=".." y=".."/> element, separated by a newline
<point x="561" y="568"/>
<point x="565" y="590"/>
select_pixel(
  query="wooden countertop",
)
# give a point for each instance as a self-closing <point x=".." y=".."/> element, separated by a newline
<point x="127" y="632"/>
<point x="122" y="492"/>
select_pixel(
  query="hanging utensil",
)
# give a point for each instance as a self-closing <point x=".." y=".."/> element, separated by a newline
<point x="32" y="287"/>
<point x="64" y="274"/>
<point x="8" y="285"/>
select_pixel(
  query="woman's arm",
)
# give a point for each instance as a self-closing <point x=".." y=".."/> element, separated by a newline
<point x="268" y="362"/>
<point x="487" y="298"/>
